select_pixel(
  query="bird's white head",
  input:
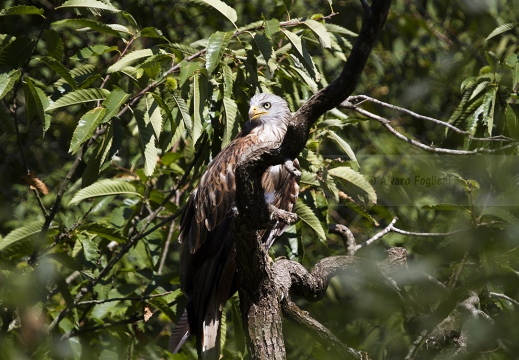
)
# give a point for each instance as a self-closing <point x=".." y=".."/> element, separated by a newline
<point x="268" y="109"/>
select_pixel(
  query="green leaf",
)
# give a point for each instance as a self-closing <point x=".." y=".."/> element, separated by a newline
<point x="302" y="54"/>
<point x="105" y="187"/>
<point x="344" y="146"/>
<point x="502" y="214"/>
<point x="153" y="115"/>
<point x="59" y="68"/>
<point x="91" y="4"/>
<point x="106" y="231"/>
<point x="97" y="158"/>
<point x="17" y="52"/>
<point x="89" y="247"/>
<point x="39" y="100"/>
<point x="443" y="206"/>
<point x="265" y="48"/>
<point x="184" y="111"/>
<point x="21" y="10"/>
<point x="20" y="234"/>
<point x="93" y="50"/>
<point x="305" y="213"/>
<point x="7" y="81"/>
<point x="199" y="96"/>
<point x="501" y="29"/>
<point x="215" y="48"/>
<point x="230" y="117"/>
<point x="187" y="69"/>
<point x="86" y="23"/>
<point x="221" y="7"/>
<point x="113" y="103"/>
<point x="54" y="44"/>
<point x="147" y="135"/>
<point x="357" y="179"/>
<point x="79" y="97"/>
<point x="271" y="27"/>
<point x="129" y="59"/>
<point x="86" y="127"/>
<point x="321" y="32"/>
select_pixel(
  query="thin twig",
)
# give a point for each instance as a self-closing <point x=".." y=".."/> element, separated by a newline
<point x="503" y="296"/>
<point x="165" y="252"/>
<point x="378" y="235"/>
<point x="139" y="298"/>
<point x="386" y="123"/>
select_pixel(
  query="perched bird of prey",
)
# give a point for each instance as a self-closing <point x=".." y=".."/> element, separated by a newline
<point x="208" y="253"/>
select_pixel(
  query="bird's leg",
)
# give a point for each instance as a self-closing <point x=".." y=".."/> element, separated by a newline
<point x="289" y="165"/>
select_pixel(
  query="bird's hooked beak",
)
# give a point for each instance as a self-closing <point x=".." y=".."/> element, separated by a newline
<point x="255" y="113"/>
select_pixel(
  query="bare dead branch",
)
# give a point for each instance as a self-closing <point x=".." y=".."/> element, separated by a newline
<point x="378" y="235"/>
<point x="386" y="123"/>
<point x="505" y="297"/>
<point x="347" y="237"/>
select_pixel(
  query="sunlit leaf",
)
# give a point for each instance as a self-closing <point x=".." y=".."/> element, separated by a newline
<point x="271" y="27"/>
<point x="357" y="179"/>
<point x="199" y="97"/>
<point x="184" y="111"/>
<point x="105" y="187"/>
<point x="501" y="29"/>
<point x="307" y="215"/>
<point x="215" y="48"/>
<point x="79" y="97"/>
<point x="130" y="59"/>
<point x="321" y="32"/>
<point x="230" y="117"/>
<point x="21" y="10"/>
<point x="344" y="146"/>
<point x="303" y="54"/>
<point x="91" y="4"/>
<point x="221" y="7"/>
<point x="86" y="127"/>
<point x="20" y="234"/>
<point x="7" y="81"/>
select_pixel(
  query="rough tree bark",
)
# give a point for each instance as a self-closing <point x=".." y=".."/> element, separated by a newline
<point x="263" y="289"/>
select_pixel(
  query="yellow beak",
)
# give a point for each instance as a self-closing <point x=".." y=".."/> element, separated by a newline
<point x="255" y="113"/>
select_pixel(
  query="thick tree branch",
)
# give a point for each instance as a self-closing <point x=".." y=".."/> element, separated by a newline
<point x="259" y="295"/>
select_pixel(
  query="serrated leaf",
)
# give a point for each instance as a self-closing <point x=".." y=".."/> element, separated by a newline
<point x="87" y="23"/>
<point x="91" y="4"/>
<point x="501" y="29"/>
<point x="184" y="111"/>
<point x="130" y="59"/>
<point x="215" y="48"/>
<point x="266" y="49"/>
<point x="222" y="8"/>
<point x="339" y="30"/>
<point x="21" y="10"/>
<point x="302" y="54"/>
<point x="7" y="81"/>
<point x="60" y="69"/>
<point x="228" y="80"/>
<point x="502" y="214"/>
<point x="86" y="127"/>
<point x="40" y="101"/>
<point x="305" y="213"/>
<point x="79" y="97"/>
<point x="271" y="27"/>
<point x="231" y="110"/>
<point x="344" y="146"/>
<point x="199" y="96"/>
<point x="105" y="187"/>
<point x="321" y="32"/>
<point x="357" y="179"/>
<point x="16" y="52"/>
<point x="20" y="234"/>
<point x="146" y="136"/>
<point x="120" y="28"/>
<point x="54" y="44"/>
<point x="153" y="115"/>
<point x="188" y="50"/>
<point x="113" y="103"/>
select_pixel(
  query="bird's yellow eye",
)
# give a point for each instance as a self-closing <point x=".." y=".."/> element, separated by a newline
<point x="267" y="105"/>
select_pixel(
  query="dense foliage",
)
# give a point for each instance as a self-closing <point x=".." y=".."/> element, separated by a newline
<point x="112" y="110"/>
